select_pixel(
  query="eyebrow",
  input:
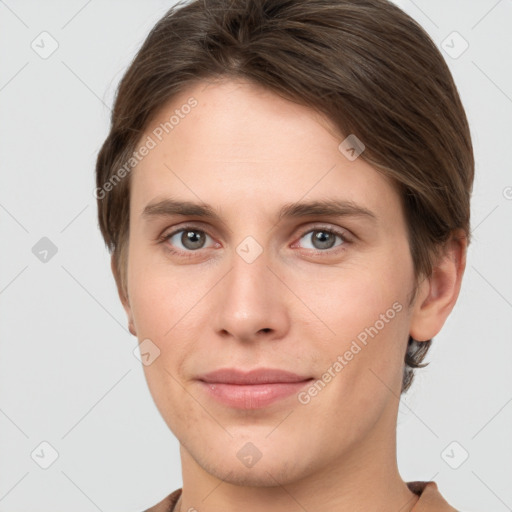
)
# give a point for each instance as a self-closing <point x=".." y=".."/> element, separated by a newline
<point x="326" y="207"/>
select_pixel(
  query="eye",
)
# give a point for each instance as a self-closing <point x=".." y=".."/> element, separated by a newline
<point x="323" y="239"/>
<point x="190" y="238"/>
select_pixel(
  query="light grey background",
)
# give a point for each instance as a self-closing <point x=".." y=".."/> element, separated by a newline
<point x="68" y="375"/>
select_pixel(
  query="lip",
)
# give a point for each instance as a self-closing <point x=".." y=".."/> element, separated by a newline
<point x="256" y="376"/>
<point x="254" y="389"/>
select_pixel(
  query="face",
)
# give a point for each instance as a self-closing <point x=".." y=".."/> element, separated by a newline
<point x="257" y="281"/>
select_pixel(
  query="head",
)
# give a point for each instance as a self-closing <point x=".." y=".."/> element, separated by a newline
<point x="249" y="109"/>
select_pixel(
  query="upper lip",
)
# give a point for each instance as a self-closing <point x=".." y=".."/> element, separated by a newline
<point x="256" y="376"/>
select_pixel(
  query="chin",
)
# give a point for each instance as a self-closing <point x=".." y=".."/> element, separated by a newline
<point x="260" y="475"/>
<point x="262" y="463"/>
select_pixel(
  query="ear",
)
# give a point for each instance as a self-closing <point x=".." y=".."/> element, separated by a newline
<point x="124" y="300"/>
<point x="438" y="293"/>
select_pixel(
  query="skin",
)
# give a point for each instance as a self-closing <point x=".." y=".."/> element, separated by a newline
<point x="296" y="307"/>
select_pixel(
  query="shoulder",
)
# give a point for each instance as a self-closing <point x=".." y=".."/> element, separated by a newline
<point x="430" y="499"/>
<point x="167" y="504"/>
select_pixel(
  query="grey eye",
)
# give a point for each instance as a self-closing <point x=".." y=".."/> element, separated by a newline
<point x="322" y="239"/>
<point x="191" y="239"/>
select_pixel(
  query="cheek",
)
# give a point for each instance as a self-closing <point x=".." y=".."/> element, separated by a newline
<point x="158" y="296"/>
<point x="364" y="318"/>
<point x="163" y="311"/>
<point x="167" y="309"/>
<point x="351" y="300"/>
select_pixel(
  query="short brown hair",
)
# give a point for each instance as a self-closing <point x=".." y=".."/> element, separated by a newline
<point x="365" y="64"/>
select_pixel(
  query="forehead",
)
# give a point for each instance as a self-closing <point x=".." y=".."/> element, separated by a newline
<point x="238" y="143"/>
<point x="236" y="119"/>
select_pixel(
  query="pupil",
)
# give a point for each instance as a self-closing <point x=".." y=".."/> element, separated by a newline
<point x="192" y="239"/>
<point x="321" y="237"/>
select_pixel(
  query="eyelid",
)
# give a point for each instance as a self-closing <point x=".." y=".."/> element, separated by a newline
<point x="166" y="235"/>
<point x="342" y="232"/>
<point x="186" y="225"/>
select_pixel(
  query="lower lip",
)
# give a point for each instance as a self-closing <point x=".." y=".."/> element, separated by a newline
<point x="252" y="396"/>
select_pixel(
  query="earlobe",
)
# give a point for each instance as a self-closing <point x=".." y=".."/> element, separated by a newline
<point x="124" y="300"/>
<point x="438" y="294"/>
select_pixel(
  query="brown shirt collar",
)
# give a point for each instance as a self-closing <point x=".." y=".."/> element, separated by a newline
<point x="430" y="499"/>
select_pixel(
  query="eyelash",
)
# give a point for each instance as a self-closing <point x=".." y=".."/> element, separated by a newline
<point x="190" y="254"/>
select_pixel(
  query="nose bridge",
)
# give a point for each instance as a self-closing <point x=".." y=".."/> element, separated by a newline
<point x="250" y="300"/>
<point x="249" y="279"/>
<point x="250" y="257"/>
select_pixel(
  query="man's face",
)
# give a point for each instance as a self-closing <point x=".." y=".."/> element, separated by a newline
<point x="324" y="297"/>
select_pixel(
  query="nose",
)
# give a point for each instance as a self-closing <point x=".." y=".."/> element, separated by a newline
<point x="251" y="301"/>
